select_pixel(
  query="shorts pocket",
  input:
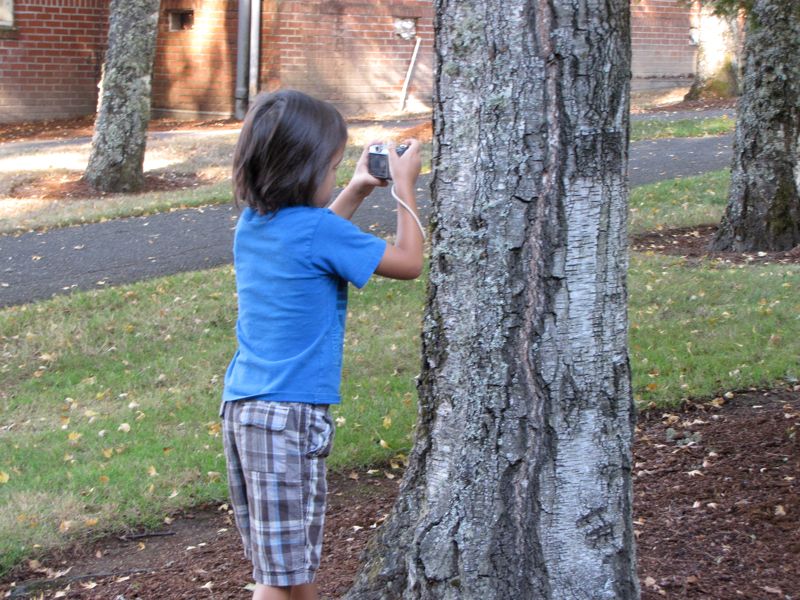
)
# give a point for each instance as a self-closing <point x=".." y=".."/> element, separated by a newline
<point x="262" y="433"/>
<point x="320" y="434"/>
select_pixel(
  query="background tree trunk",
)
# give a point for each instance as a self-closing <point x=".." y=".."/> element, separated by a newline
<point x="764" y="204"/>
<point x="120" y="131"/>
<point x="519" y="482"/>
<point x="718" y="55"/>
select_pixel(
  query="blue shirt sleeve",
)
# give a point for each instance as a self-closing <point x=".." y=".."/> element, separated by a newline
<point x="341" y="248"/>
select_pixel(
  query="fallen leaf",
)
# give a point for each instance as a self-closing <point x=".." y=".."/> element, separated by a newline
<point x="4" y="477"/>
<point x="387" y="422"/>
<point x="693" y="473"/>
<point x="780" y="511"/>
<point x="108" y="452"/>
<point x="151" y="471"/>
<point x="104" y="479"/>
<point x="125" y="428"/>
<point x="773" y="590"/>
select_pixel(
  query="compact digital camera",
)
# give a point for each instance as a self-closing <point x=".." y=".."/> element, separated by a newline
<point x="378" y="160"/>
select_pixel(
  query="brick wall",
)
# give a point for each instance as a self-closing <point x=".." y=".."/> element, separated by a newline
<point x="195" y="68"/>
<point x="661" y="38"/>
<point x="50" y="61"/>
<point x="348" y="52"/>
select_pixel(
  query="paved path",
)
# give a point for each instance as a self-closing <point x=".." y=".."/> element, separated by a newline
<point x="34" y="266"/>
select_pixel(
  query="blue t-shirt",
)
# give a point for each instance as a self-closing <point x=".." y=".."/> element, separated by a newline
<point x="292" y="268"/>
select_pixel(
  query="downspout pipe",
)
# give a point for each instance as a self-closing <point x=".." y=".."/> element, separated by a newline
<point x="255" y="47"/>
<point x="409" y="73"/>
<point x="242" y="56"/>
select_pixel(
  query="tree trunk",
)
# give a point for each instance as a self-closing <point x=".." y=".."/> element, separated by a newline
<point x="764" y="205"/>
<point x="519" y="481"/>
<point x="120" y="131"/>
<point x="718" y="54"/>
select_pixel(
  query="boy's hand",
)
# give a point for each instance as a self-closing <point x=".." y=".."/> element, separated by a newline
<point x="405" y="169"/>
<point x="362" y="182"/>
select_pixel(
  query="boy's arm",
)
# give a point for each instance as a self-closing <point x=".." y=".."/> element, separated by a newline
<point x="361" y="185"/>
<point x="404" y="258"/>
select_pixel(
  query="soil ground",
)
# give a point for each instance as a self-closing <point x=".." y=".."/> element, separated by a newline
<point x="716" y="516"/>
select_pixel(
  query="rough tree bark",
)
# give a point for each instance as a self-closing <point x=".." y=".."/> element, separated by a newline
<point x="120" y="131"/>
<point x="763" y="210"/>
<point x="519" y="481"/>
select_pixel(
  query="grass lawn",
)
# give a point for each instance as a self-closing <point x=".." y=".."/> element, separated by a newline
<point x="108" y="412"/>
<point x="652" y="129"/>
<point x="682" y="202"/>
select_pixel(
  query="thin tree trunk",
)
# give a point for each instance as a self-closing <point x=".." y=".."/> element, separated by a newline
<point x="120" y="133"/>
<point x="519" y="483"/>
<point x="763" y="210"/>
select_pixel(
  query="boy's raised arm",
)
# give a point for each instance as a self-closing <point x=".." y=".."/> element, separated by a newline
<point x="404" y="258"/>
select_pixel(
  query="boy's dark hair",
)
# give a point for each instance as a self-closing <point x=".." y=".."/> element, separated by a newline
<point x="287" y="142"/>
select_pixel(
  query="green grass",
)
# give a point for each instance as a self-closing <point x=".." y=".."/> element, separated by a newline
<point x="152" y="356"/>
<point x="698" y="331"/>
<point x="652" y="129"/>
<point x="684" y="202"/>
<point x="108" y="410"/>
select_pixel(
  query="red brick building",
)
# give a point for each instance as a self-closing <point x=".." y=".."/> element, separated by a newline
<point x="663" y="40"/>
<point x="355" y="53"/>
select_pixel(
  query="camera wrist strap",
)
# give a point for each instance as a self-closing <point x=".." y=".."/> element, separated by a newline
<point x="411" y="212"/>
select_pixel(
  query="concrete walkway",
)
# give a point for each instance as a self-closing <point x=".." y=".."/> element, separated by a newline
<point x="35" y="266"/>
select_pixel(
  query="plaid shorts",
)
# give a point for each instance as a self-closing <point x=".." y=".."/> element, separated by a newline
<point x="276" y="477"/>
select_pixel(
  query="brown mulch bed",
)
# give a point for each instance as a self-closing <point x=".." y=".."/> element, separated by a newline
<point x="60" y="129"/>
<point x="72" y="187"/>
<point x="717" y="515"/>
<point x="687" y="105"/>
<point x="693" y="243"/>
